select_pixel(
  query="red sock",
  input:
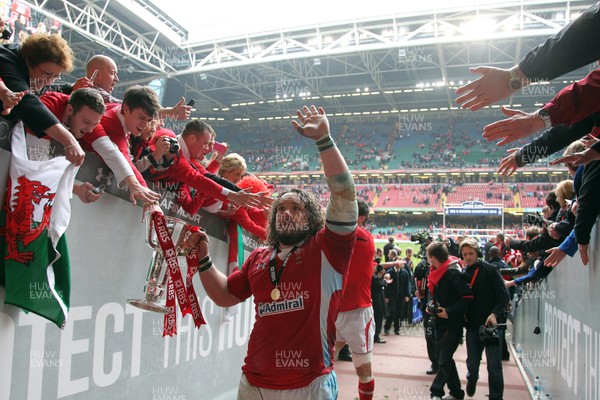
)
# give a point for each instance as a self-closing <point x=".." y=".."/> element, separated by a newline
<point x="366" y="390"/>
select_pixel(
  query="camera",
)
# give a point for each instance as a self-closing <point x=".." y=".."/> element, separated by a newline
<point x="489" y="335"/>
<point x="6" y="34"/>
<point x="424" y="239"/>
<point x="173" y="145"/>
<point x="432" y="308"/>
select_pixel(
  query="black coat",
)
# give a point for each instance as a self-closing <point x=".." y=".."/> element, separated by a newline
<point x="400" y="286"/>
<point x="490" y="293"/>
<point x="573" y="47"/>
<point x="30" y="109"/>
<point x="454" y="294"/>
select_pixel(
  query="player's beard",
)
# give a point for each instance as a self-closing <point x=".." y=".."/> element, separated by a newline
<point x="289" y="238"/>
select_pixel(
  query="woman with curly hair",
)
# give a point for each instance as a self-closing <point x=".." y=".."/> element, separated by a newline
<point x="26" y="69"/>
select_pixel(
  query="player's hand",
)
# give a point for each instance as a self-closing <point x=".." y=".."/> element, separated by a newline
<point x="313" y="123"/>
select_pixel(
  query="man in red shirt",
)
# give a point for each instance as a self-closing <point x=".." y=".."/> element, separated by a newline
<point x="296" y="282"/>
<point x="140" y="106"/>
<point x="80" y="113"/>
<point x="185" y="169"/>
<point x="354" y="324"/>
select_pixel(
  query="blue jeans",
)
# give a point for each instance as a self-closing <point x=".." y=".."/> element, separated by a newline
<point x="493" y="355"/>
<point x="447" y="341"/>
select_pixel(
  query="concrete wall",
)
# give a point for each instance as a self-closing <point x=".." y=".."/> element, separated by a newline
<point x="566" y="352"/>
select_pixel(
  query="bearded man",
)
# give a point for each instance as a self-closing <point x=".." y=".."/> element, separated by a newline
<point x="296" y="281"/>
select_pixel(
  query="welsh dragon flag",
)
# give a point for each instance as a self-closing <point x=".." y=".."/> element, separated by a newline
<point x="34" y="261"/>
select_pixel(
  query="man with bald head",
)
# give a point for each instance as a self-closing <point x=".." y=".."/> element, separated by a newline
<point x="105" y="81"/>
<point x="106" y="78"/>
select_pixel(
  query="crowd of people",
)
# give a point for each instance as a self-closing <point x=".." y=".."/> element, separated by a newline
<point x="330" y="256"/>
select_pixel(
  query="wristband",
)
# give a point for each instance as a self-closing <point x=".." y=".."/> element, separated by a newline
<point x="153" y="161"/>
<point x="325" y="143"/>
<point x="204" y="260"/>
<point x="73" y="145"/>
<point x="206" y="266"/>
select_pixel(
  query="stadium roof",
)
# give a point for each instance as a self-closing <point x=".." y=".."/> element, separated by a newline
<point x="376" y="60"/>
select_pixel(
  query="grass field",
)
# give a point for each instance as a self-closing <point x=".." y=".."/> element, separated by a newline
<point x="379" y="243"/>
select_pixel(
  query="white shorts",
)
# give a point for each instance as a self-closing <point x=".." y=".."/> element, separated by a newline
<point x="357" y="329"/>
<point x="323" y="388"/>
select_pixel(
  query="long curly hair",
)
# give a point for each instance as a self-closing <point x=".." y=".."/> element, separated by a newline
<point x="314" y="214"/>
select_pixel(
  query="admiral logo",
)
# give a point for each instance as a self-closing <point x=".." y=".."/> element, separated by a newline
<point x="280" y="307"/>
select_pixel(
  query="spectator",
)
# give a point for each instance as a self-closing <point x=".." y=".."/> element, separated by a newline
<point x="37" y="63"/>
<point x="81" y="112"/>
<point x="568" y="50"/>
<point x="388" y="246"/>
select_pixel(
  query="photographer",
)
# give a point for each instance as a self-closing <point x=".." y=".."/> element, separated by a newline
<point x="491" y="298"/>
<point x="421" y="274"/>
<point x="450" y="297"/>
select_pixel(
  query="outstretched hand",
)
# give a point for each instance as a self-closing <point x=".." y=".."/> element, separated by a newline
<point x="490" y="87"/>
<point x="313" y="123"/>
<point x="518" y="125"/>
<point x="578" y="159"/>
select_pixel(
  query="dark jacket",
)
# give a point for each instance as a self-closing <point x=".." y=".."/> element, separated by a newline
<point x="573" y="47"/>
<point x="377" y="285"/>
<point x="420" y="274"/>
<point x="589" y="206"/>
<point x="498" y="262"/>
<point x="453" y="293"/>
<point x="541" y="242"/>
<point x="386" y="249"/>
<point x="400" y="287"/>
<point x="490" y="293"/>
<point x="15" y="75"/>
<point x="555" y="139"/>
